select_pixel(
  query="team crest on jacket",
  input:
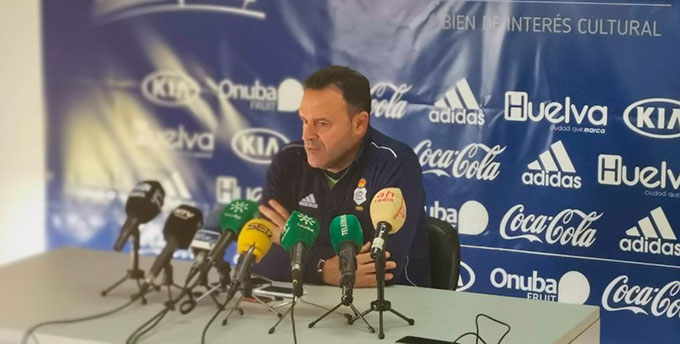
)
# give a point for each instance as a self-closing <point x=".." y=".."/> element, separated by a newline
<point x="360" y="192"/>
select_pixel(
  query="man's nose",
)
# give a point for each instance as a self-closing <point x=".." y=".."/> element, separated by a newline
<point x="308" y="132"/>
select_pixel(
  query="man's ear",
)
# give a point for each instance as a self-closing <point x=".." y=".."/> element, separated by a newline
<point x="360" y="123"/>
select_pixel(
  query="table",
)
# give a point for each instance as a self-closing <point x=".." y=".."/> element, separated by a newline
<point x="65" y="283"/>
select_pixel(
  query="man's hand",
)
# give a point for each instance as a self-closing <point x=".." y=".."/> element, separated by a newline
<point x="278" y="215"/>
<point x="365" y="274"/>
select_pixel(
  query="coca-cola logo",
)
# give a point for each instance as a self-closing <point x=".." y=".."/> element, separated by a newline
<point x="475" y="161"/>
<point x="660" y="302"/>
<point x="570" y="227"/>
<point x="392" y="107"/>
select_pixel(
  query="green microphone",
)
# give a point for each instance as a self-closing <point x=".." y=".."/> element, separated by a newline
<point x="299" y="233"/>
<point x="346" y="238"/>
<point x="234" y="215"/>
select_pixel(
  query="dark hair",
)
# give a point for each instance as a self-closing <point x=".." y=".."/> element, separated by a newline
<point x="353" y="85"/>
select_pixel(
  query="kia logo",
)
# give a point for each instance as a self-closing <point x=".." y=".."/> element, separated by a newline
<point x="655" y="117"/>
<point x="170" y="88"/>
<point x="258" y="145"/>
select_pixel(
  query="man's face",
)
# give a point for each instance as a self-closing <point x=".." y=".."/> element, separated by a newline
<point x="330" y="134"/>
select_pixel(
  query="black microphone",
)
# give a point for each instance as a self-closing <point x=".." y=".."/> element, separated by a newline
<point x="203" y="243"/>
<point x="179" y="229"/>
<point x="143" y="204"/>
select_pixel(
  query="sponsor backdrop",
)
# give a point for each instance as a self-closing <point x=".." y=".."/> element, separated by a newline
<point x="548" y="133"/>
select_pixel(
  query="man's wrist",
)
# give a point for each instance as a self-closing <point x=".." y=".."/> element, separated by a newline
<point x="319" y="268"/>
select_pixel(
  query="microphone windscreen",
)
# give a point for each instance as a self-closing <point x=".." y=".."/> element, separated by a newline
<point x="346" y="228"/>
<point x="257" y="233"/>
<point x="145" y="201"/>
<point x="236" y="214"/>
<point x="388" y="205"/>
<point x="182" y="224"/>
<point x="212" y="221"/>
<point x="299" y="228"/>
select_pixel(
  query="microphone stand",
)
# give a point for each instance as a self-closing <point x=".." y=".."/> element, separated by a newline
<point x="381" y="305"/>
<point x="169" y="282"/>
<point x="247" y="291"/>
<point x="188" y="305"/>
<point x="135" y="273"/>
<point x="292" y="303"/>
<point x="224" y="271"/>
<point x="346" y="300"/>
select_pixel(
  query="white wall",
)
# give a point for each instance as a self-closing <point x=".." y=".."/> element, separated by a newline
<point x="22" y="136"/>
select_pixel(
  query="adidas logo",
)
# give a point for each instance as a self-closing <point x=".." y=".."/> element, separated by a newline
<point x="553" y="168"/>
<point x="309" y="201"/>
<point x="647" y="239"/>
<point x="458" y="106"/>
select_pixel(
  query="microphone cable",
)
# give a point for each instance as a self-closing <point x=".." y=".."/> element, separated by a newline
<point x="156" y="319"/>
<point x="220" y="309"/>
<point x="205" y="329"/>
<point x="29" y="332"/>
<point x="140" y="331"/>
<point x="476" y="333"/>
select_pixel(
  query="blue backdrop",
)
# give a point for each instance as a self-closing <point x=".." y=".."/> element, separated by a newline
<point x="547" y="132"/>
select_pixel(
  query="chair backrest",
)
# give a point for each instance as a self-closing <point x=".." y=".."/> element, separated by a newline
<point x="444" y="254"/>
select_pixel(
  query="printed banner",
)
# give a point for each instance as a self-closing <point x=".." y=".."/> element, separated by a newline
<point x="547" y="131"/>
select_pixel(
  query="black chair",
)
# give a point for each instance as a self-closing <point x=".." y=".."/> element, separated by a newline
<point x="444" y="254"/>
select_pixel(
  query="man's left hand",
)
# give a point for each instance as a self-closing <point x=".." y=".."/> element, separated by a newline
<point x="278" y="215"/>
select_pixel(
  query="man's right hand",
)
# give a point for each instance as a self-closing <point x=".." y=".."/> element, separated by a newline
<point x="365" y="274"/>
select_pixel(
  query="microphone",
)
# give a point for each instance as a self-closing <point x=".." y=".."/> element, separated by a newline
<point x="388" y="214"/>
<point x="204" y="240"/>
<point x="143" y="204"/>
<point x="346" y="239"/>
<point x="299" y="233"/>
<point x="253" y="243"/>
<point x="233" y="218"/>
<point x="229" y="220"/>
<point x="179" y="229"/>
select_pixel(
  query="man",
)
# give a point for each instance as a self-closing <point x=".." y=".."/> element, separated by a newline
<point x="336" y="169"/>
